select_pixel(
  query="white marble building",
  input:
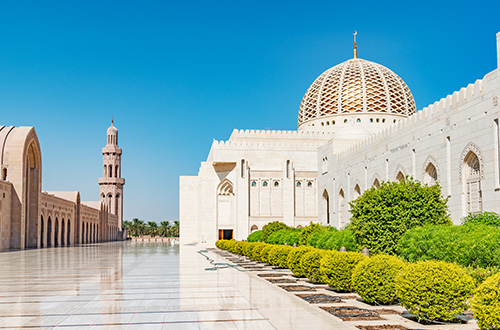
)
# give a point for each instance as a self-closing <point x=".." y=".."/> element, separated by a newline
<point x="357" y="126"/>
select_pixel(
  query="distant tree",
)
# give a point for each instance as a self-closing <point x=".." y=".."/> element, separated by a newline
<point x="164" y="228"/>
<point x="127" y="224"/>
<point x="152" y="228"/>
<point x="137" y="227"/>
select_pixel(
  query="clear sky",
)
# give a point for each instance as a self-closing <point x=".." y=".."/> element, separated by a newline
<point x="177" y="74"/>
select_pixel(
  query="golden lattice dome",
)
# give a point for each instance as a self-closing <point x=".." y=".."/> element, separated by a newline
<point x="356" y="86"/>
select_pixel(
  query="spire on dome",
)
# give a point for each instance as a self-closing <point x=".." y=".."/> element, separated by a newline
<point x="355" y="50"/>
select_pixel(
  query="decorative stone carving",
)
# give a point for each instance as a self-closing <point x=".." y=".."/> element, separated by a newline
<point x="475" y="149"/>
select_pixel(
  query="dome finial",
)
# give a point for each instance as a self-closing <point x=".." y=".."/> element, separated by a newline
<point x="112" y="121"/>
<point x="355" y="47"/>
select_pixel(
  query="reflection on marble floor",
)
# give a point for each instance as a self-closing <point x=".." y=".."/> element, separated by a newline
<point x="123" y="285"/>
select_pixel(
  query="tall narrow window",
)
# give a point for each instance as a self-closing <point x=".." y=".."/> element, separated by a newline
<point x="473" y="183"/>
<point x="4" y="173"/>
<point x="448" y="165"/>
<point x="497" y="153"/>
<point x="117" y="174"/>
<point x="288" y="169"/>
<point x="242" y="168"/>
<point x="110" y="171"/>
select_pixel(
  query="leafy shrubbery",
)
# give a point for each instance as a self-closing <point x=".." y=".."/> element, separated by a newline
<point x="374" y="278"/>
<point x="336" y="269"/>
<point x="487" y="218"/>
<point x="333" y="239"/>
<point x="271" y="228"/>
<point x="435" y="290"/>
<point x="309" y="264"/>
<point x="382" y="215"/>
<point x="257" y="250"/>
<point x="486" y="304"/>
<point x="307" y="231"/>
<point x="476" y="245"/>
<point x="288" y="236"/>
<point x="480" y="274"/>
<point x="256" y="236"/>
<point x="278" y="255"/>
<point x="293" y="260"/>
<point x="264" y="253"/>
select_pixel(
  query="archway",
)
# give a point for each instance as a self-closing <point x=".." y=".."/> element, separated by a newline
<point x="341" y="207"/>
<point x="400" y="176"/>
<point x="357" y="191"/>
<point x="41" y="231"/>
<point x="472" y="180"/>
<point x="56" y="233"/>
<point x="225" y="205"/>
<point x="376" y="183"/>
<point x="62" y="232"/>
<point x="254" y="228"/>
<point x="326" y="207"/>
<point x="430" y="175"/>
<point x="49" y="232"/>
<point x="68" y="233"/>
<point x="32" y="190"/>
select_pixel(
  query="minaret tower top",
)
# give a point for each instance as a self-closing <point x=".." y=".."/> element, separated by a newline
<point x="112" y="183"/>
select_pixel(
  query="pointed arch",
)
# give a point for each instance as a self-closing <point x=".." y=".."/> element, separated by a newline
<point x="400" y="173"/>
<point x="357" y="190"/>
<point x="225" y="188"/>
<point x="472" y="183"/>
<point x="430" y="171"/>
<point x="475" y="149"/>
<point x="254" y="228"/>
<point x="326" y="207"/>
<point x="341" y="208"/>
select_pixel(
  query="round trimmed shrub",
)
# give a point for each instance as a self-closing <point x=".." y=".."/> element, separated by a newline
<point x="293" y="259"/>
<point x="336" y="269"/>
<point x="229" y="246"/>
<point x="247" y="250"/>
<point x="238" y="247"/>
<point x="271" y="228"/>
<point x="278" y="255"/>
<point x="435" y="290"/>
<point x="309" y="263"/>
<point x="264" y="254"/>
<point x="374" y="278"/>
<point x="256" y="236"/>
<point x="486" y="304"/>
<point x="257" y="250"/>
<point x="382" y="215"/>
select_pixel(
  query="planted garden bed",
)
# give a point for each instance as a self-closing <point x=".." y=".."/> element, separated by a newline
<point x="350" y="313"/>
<point x="296" y="288"/>
<point x="320" y="298"/>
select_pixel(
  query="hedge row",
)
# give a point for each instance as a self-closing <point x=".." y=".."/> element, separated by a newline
<point x="434" y="290"/>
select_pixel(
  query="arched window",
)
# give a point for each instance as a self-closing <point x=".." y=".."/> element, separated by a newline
<point x="110" y="197"/>
<point x="288" y="168"/>
<point x="117" y="173"/>
<point x="371" y="120"/>
<point x="254" y="184"/>
<point x="400" y="176"/>
<point x="341" y="207"/>
<point x="357" y="191"/>
<point x="56" y="233"/>
<point x="4" y="174"/>
<point x="376" y="183"/>
<point x="264" y="183"/>
<point x="309" y="184"/>
<point x="299" y="226"/>
<point x="242" y="168"/>
<point x="110" y="171"/>
<point x="276" y="183"/>
<point x="104" y="172"/>
<point x="68" y="233"/>
<point x="333" y="123"/>
<point x="298" y="184"/>
<point x="254" y="228"/>
<point x="472" y="180"/>
<point x="49" y="232"/>
<point x="117" y="204"/>
<point x="326" y="207"/>
<point x="430" y="176"/>
<point x="358" y="120"/>
<point x="345" y="121"/>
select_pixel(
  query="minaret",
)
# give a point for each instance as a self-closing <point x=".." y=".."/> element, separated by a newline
<point x="112" y="183"/>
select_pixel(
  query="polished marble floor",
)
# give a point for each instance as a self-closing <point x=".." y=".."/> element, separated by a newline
<point x="127" y="285"/>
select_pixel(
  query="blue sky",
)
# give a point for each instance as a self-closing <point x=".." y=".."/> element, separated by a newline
<point x="177" y="74"/>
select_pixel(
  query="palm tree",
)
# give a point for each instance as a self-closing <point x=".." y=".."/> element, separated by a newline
<point x="164" y="228"/>
<point x="127" y="225"/>
<point x="137" y="227"/>
<point x="152" y="228"/>
<point x="175" y="229"/>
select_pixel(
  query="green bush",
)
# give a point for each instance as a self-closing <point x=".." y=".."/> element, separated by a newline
<point x="239" y="246"/>
<point x="487" y="218"/>
<point x="278" y="255"/>
<point x="271" y="228"/>
<point x="307" y="231"/>
<point x="336" y="269"/>
<point x="230" y="245"/>
<point x="473" y="244"/>
<point x="247" y="250"/>
<point x="480" y="274"/>
<point x="382" y="215"/>
<point x="293" y="259"/>
<point x="486" y="304"/>
<point x="333" y="240"/>
<point x="256" y="236"/>
<point x="309" y="263"/>
<point x="264" y="254"/>
<point x="289" y="236"/>
<point x="435" y="290"/>
<point x="257" y="251"/>
<point x="374" y="278"/>
<point x="318" y="236"/>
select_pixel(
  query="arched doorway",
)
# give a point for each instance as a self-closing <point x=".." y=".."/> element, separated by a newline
<point x="472" y="180"/>
<point x="68" y="233"/>
<point x="225" y="209"/>
<point x="41" y="231"/>
<point x="62" y="232"/>
<point x="326" y="207"/>
<point x="49" y="232"/>
<point x="56" y="233"/>
<point x="32" y="190"/>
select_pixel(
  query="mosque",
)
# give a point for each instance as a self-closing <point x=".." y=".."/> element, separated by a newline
<point x="357" y="126"/>
<point x="32" y="218"/>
